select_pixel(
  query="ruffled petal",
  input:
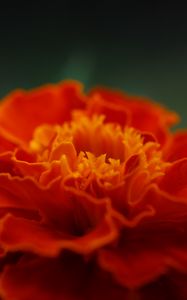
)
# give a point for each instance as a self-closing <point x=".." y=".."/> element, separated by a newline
<point x="17" y="192"/>
<point x="132" y="270"/>
<point x="151" y="247"/>
<point x="25" y="164"/>
<point x="136" y="263"/>
<point x="72" y="219"/>
<point x="6" y="164"/>
<point x="93" y="196"/>
<point x="143" y="113"/>
<point x="68" y="277"/>
<point x="46" y="279"/>
<point x="176" y="147"/>
<point x="175" y="180"/>
<point x="50" y="104"/>
<point x="112" y="111"/>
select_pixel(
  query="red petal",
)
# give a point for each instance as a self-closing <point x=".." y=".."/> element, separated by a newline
<point x="67" y="278"/>
<point x="152" y="246"/>
<point x="49" y="104"/>
<point x="7" y="142"/>
<point x="164" y="289"/>
<point x="179" y="282"/>
<point x="177" y="148"/>
<point x="134" y="268"/>
<point x="144" y="114"/>
<point x="45" y="279"/>
<point x="17" y="192"/>
<point x="175" y="180"/>
<point x="6" y="164"/>
<point x="112" y="111"/>
<point x="72" y="220"/>
<point x="24" y="168"/>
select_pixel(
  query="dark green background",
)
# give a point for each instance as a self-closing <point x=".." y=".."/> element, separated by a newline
<point x="142" y="51"/>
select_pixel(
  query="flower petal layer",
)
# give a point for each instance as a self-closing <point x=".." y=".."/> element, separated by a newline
<point x="50" y="104"/>
<point x="69" y="278"/>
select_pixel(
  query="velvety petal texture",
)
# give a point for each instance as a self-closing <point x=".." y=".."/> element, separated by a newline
<point x="93" y="197"/>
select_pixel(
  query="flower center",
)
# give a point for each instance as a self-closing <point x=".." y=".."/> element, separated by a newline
<point x="89" y="151"/>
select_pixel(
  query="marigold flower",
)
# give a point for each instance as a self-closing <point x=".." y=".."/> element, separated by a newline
<point x="93" y="197"/>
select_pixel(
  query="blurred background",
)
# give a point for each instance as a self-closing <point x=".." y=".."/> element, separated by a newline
<point x="142" y="50"/>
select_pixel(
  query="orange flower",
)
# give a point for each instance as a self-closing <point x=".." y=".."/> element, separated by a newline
<point x="93" y="197"/>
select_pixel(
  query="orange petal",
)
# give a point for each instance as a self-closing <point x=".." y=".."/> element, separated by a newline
<point x="168" y="209"/>
<point x="24" y="168"/>
<point x="143" y="257"/>
<point x="177" y="147"/>
<point x="50" y="104"/>
<point x="6" y="164"/>
<point x="133" y="270"/>
<point x="154" y="245"/>
<point x="112" y="111"/>
<point x="17" y="192"/>
<point x="73" y="221"/>
<point x="143" y="113"/>
<point x="175" y="180"/>
<point x="7" y="143"/>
